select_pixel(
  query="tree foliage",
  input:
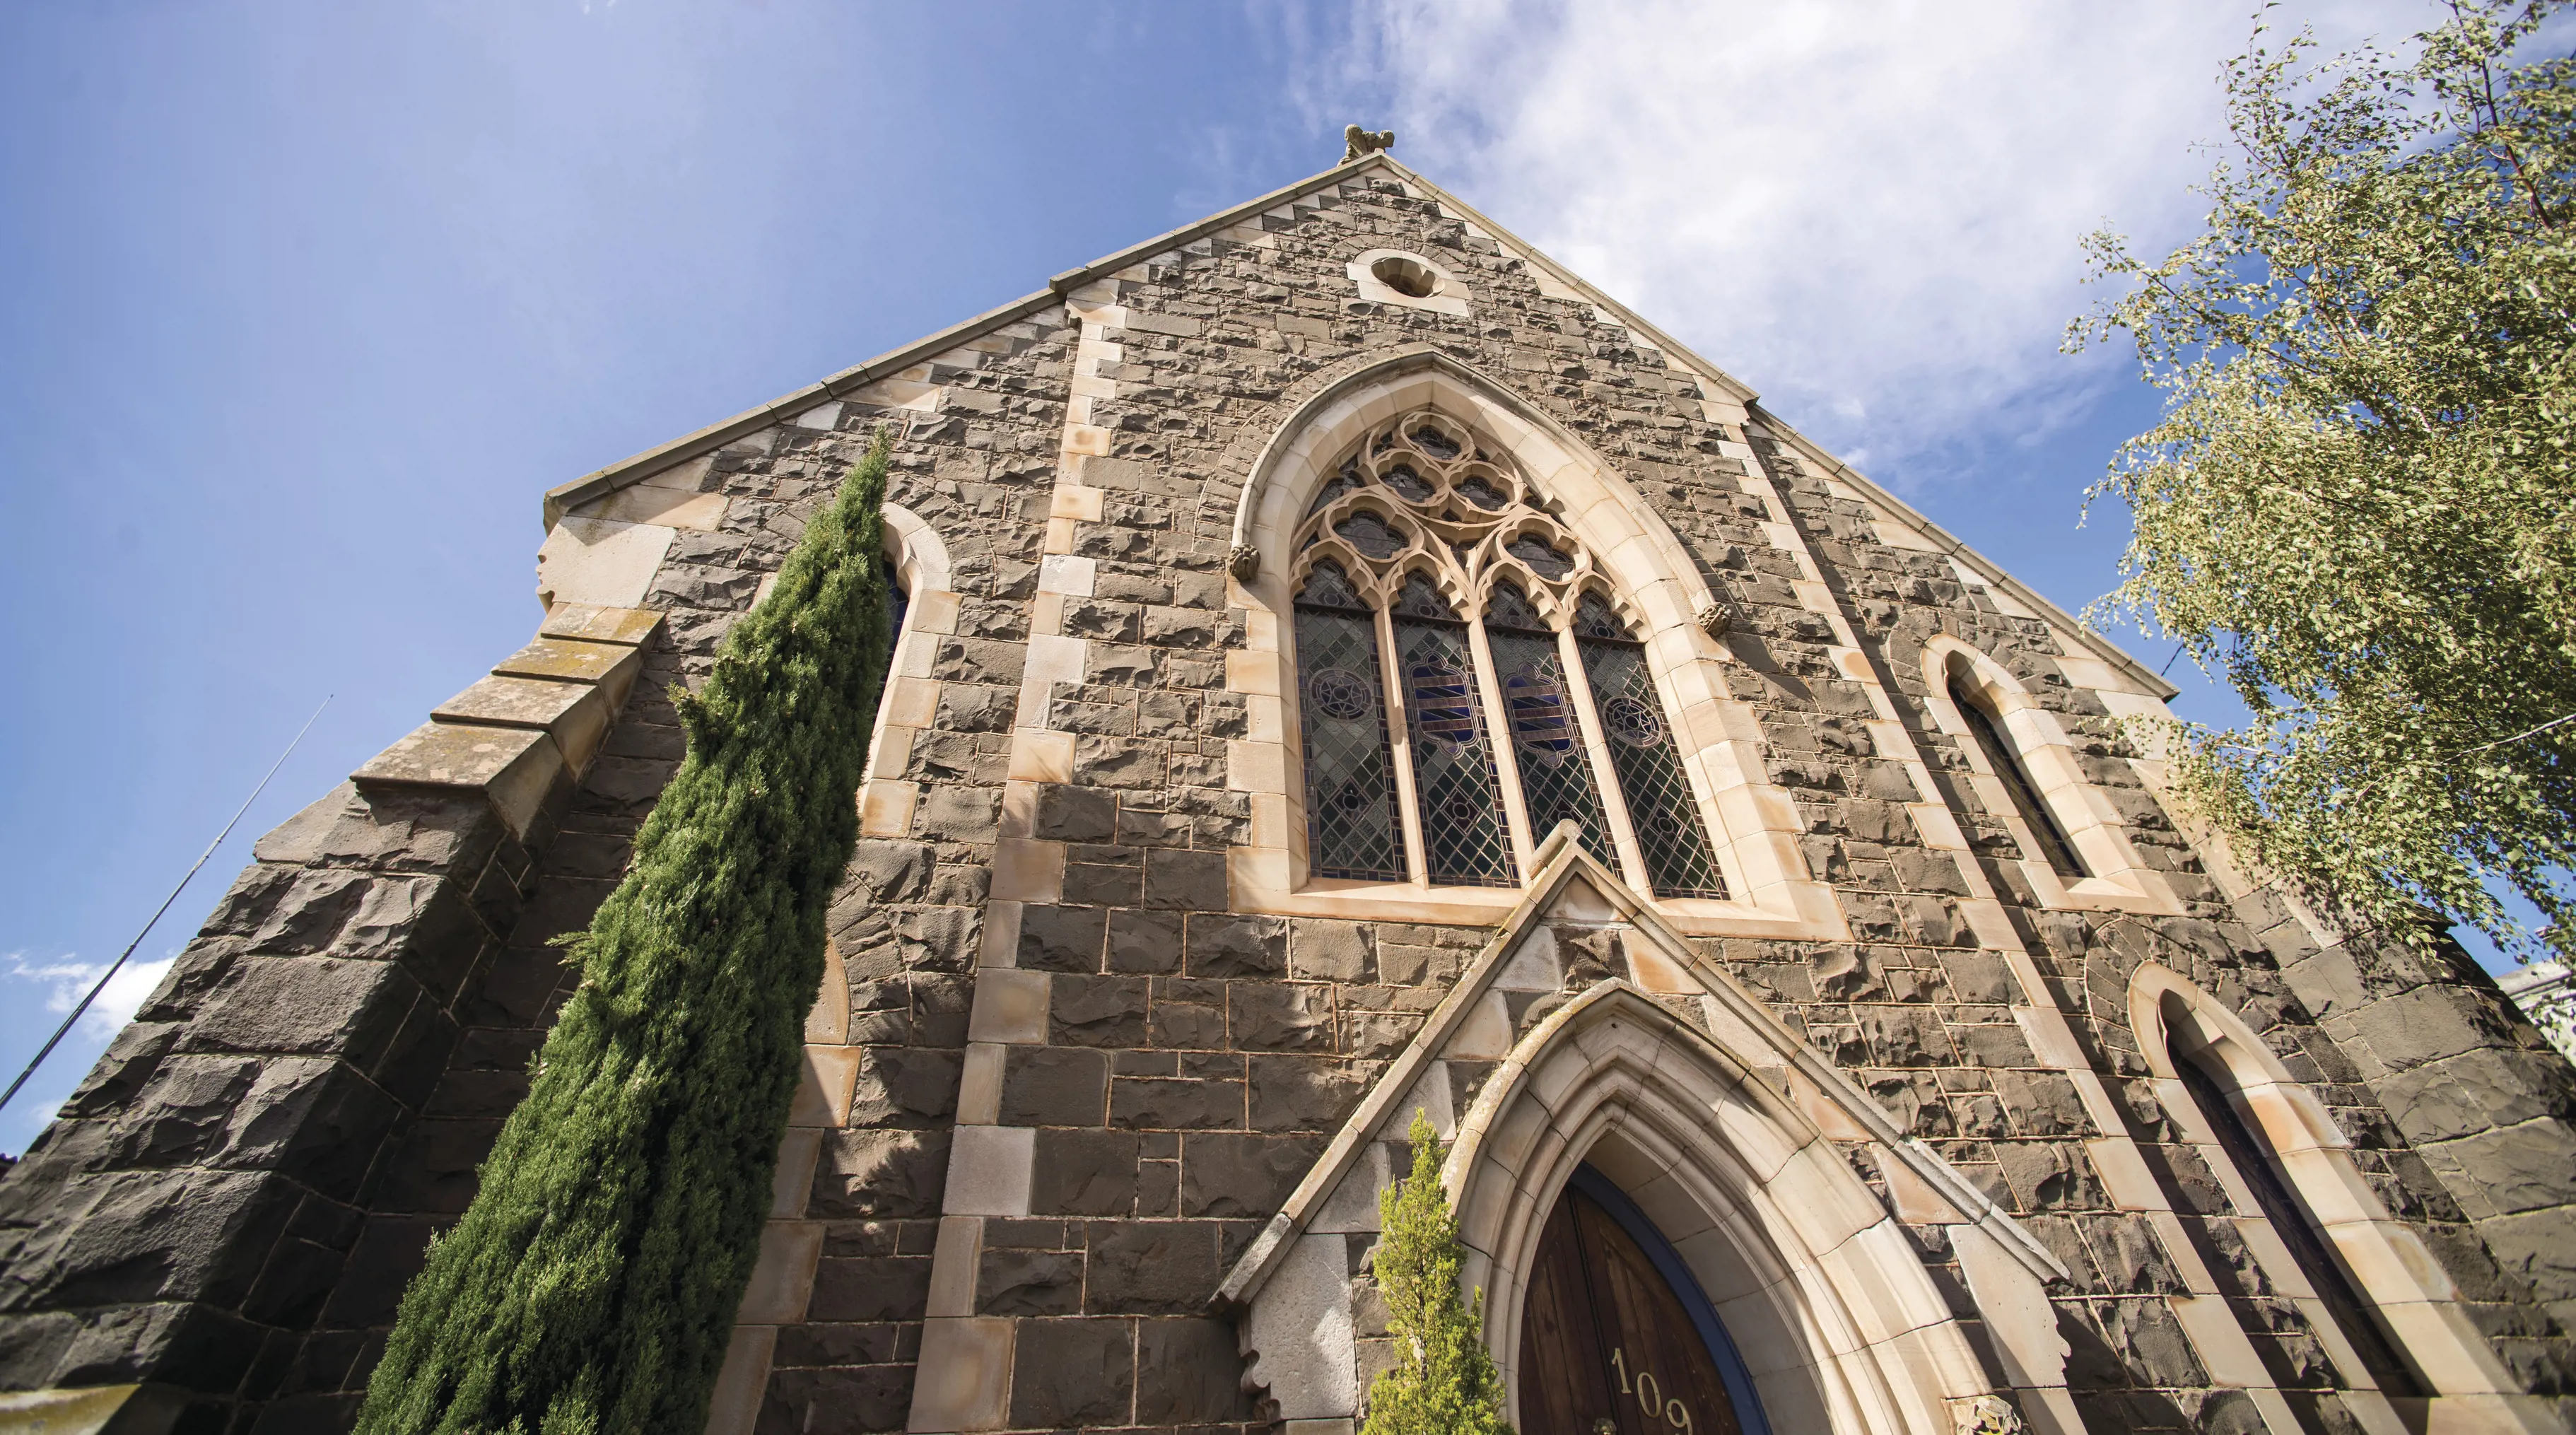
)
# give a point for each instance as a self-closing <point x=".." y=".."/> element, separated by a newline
<point x="592" y="1284"/>
<point x="1443" y="1381"/>
<point x="2359" y="507"/>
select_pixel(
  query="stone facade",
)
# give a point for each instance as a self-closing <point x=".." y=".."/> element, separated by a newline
<point x="1103" y="1079"/>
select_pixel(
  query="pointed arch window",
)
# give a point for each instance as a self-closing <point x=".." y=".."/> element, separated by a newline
<point x="1513" y="696"/>
<point x="2001" y="756"/>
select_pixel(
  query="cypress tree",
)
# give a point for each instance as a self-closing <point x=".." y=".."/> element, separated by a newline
<point x="1443" y="1381"/>
<point x="592" y="1284"/>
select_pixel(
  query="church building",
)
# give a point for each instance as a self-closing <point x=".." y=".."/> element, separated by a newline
<point x="1349" y="667"/>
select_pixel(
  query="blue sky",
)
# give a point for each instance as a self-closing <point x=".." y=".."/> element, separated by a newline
<point x="306" y="305"/>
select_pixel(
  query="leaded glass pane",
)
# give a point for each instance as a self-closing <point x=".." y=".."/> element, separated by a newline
<point x="1419" y="599"/>
<point x="1649" y="767"/>
<point x="1351" y="827"/>
<point x="1369" y="534"/>
<point x="1464" y="836"/>
<point x="1593" y="618"/>
<point x="1533" y="550"/>
<point x="1556" y="776"/>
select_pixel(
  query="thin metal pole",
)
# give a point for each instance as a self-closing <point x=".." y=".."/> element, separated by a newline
<point x="202" y="857"/>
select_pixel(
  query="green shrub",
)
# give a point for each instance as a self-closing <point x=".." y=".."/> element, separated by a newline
<point x="592" y="1284"/>
<point x="1444" y="1381"/>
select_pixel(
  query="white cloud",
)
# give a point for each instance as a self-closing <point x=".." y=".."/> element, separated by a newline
<point x="67" y="980"/>
<point x="1867" y="211"/>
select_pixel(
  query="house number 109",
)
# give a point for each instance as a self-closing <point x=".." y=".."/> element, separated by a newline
<point x="1650" y="1393"/>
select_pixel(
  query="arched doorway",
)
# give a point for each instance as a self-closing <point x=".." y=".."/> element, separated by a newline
<point x="1617" y="1338"/>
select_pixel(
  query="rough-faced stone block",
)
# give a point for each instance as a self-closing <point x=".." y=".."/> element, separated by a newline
<point x="1229" y="946"/>
<point x="1054" y="1086"/>
<point x="877" y="1288"/>
<point x="1176" y="1103"/>
<point x="1280" y="1016"/>
<point x="1061" y="939"/>
<point x="1230" y="1176"/>
<point x="1097" y="1011"/>
<point x="1083" y="1173"/>
<point x="1151" y="1267"/>
<point x="1189" y="1373"/>
<point x="320" y="1005"/>
<point x="877" y="1175"/>
<point x="1029" y="1283"/>
<point x="1072" y="1373"/>
<point x="905" y="1087"/>
<point x="952" y="813"/>
<point x="1146" y="943"/>
<point x="1298" y="1093"/>
<point x="1185" y="881"/>
<point x="1329" y="951"/>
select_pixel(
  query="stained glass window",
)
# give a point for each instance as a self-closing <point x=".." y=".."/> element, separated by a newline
<point x="1463" y="832"/>
<point x="1351" y="827"/>
<point x="1645" y="757"/>
<point x="1547" y="743"/>
<point x="2035" y="815"/>
<point x="1419" y="510"/>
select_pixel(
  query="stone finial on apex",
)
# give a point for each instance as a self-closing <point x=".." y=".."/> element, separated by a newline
<point x="1357" y="142"/>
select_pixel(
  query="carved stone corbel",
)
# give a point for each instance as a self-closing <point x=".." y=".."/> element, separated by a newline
<point x="1244" y="562"/>
<point x="1714" y="619"/>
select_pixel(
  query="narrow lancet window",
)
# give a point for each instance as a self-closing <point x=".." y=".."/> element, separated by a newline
<point x="1547" y="743"/>
<point x="1464" y="838"/>
<point x="2000" y="756"/>
<point x="1351" y="826"/>
<point x="2252" y="1159"/>
<point x="1643" y="755"/>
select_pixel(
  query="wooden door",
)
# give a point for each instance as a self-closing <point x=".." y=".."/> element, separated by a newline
<point x="1607" y="1345"/>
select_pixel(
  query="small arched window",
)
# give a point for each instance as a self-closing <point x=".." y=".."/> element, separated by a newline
<point x="1473" y="740"/>
<point x="2289" y="1218"/>
<point x="1991" y="740"/>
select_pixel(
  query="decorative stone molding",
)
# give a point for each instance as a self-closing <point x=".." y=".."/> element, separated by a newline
<point x="1751" y="821"/>
<point x="1717" y="1125"/>
<point x="2121" y="880"/>
<point x="1408" y="280"/>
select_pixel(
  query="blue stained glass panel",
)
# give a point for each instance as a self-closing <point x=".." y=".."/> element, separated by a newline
<point x="1547" y="745"/>
<point x="1351" y="826"/>
<point x="1464" y="836"/>
<point x="1649" y="768"/>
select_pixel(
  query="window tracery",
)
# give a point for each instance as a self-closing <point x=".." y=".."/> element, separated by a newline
<point x="1511" y="672"/>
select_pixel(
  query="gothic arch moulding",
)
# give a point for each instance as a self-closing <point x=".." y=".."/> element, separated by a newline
<point x="1722" y="1129"/>
<point x="1752" y="823"/>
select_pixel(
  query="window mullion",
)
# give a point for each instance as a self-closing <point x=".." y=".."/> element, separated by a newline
<point x="1596" y="750"/>
<point x="1399" y="717"/>
<point x="1516" y="816"/>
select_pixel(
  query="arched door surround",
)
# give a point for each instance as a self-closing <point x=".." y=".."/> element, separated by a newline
<point x="1752" y="823"/>
<point x="1721" y="1127"/>
<point x="2083" y="810"/>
